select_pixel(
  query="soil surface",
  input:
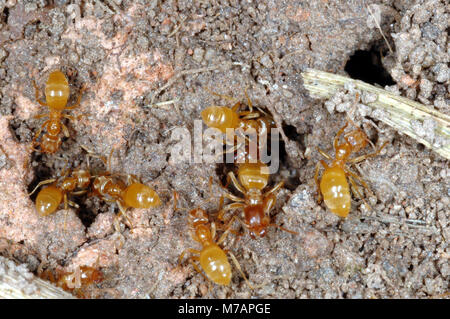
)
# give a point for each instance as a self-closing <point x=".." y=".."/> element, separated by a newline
<point x="147" y="67"/>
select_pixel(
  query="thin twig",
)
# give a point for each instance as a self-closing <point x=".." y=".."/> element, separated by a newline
<point x="379" y="28"/>
<point x="169" y="83"/>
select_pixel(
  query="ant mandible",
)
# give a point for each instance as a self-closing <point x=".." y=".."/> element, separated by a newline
<point x="56" y="95"/>
<point x="212" y="258"/>
<point x="253" y="178"/>
<point x="333" y="186"/>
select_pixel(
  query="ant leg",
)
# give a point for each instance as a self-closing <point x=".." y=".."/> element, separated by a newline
<point x="67" y="202"/>
<point x="65" y="130"/>
<point x="65" y="212"/>
<point x="284" y="229"/>
<point x="197" y="269"/>
<point x="48" y="181"/>
<point x="238" y="266"/>
<point x="225" y="97"/>
<point x="363" y="183"/>
<point x="175" y="200"/>
<point x="358" y="192"/>
<point x="227" y="208"/>
<point x="109" y="159"/>
<point x="236" y="106"/>
<point x="40" y="130"/>
<point x="91" y="154"/>
<point x="190" y="250"/>
<point x="39" y="116"/>
<point x="77" y="103"/>
<point x="324" y="154"/>
<point x="210" y="195"/>
<point x="233" y="198"/>
<point x="73" y="204"/>
<point x="249" y="102"/>
<point x="36" y="89"/>
<point x="132" y="179"/>
<point x="247" y="115"/>
<point x="123" y="212"/>
<point x="349" y="120"/>
<point x="73" y="118"/>
<point x="232" y="177"/>
<point x="70" y="117"/>
<point x="230" y="221"/>
<point x="316" y="178"/>
<point x="79" y="192"/>
<point x="363" y="157"/>
<point x="338" y="134"/>
<point x="275" y="188"/>
<point x="227" y="230"/>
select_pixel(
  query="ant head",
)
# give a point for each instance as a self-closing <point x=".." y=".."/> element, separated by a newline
<point x="138" y="195"/>
<point x="256" y="221"/>
<point x="357" y="139"/>
<point x="198" y="216"/>
<point x="258" y="232"/>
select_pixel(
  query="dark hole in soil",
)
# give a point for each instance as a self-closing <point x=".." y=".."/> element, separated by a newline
<point x="86" y="216"/>
<point x="289" y="175"/>
<point x="292" y="180"/>
<point x="367" y="66"/>
<point x="291" y="133"/>
<point x="41" y="173"/>
<point x="285" y="172"/>
<point x="4" y="16"/>
<point x="420" y="147"/>
<point x="222" y="169"/>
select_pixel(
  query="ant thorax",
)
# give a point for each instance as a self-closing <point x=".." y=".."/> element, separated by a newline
<point x="105" y="186"/>
<point x="343" y="151"/>
<point x="54" y="126"/>
<point x="254" y="197"/>
<point x="203" y="235"/>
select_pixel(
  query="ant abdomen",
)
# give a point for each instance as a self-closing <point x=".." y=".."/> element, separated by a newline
<point x="337" y="199"/>
<point x="215" y="263"/>
<point x="138" y="195"/>
<point x="57" y="90"/>
<point x="220" y="117"/>
<point x="48" y="200"/>
<point x="253" y="175"/>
